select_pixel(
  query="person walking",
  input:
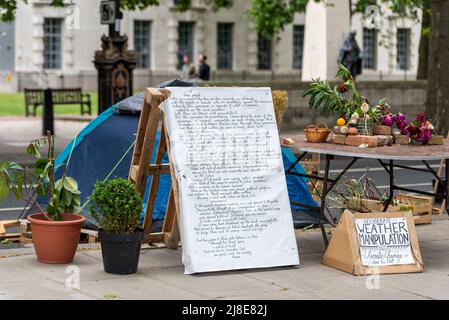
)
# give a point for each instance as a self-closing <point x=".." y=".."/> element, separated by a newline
<point x="204" y="68"/>
<point x="188" y="71"/>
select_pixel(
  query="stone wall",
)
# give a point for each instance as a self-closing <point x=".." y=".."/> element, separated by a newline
<point x="408" y="97"/>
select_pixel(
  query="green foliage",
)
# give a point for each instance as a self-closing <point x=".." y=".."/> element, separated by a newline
<point x="38" y="180"/>
<point x="404" y="8"/>
<point x="323" y="96"/>
<point x="116" y="206"/>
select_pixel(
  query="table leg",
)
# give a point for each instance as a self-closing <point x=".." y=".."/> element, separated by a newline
<point x="446" y="172"/>
<point x="391" y="175"/>
<point x="323" y="199"/>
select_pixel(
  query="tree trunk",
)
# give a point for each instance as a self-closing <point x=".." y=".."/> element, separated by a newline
<point x="423" y="63"/>
<point x="437" y="106"/>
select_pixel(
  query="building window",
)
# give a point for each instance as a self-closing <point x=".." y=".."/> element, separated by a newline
<point x="369" y="48"/>
<point x="52" y="43"/>
<point x="298" y="46"/>
<point x="264" y="53"/>
<point x="185" y="41"/>
<point x="142" y="44"/>
<point x="224" y="46"/>
<point x="402" y="48"/>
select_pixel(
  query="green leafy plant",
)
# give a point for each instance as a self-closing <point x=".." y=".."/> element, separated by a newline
<point x="28" y="183"/>
<point x="116" y="206"/>
<point x="343" y="98"/>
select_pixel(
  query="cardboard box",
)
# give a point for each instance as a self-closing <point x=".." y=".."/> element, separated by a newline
<point x="344" y="252"/>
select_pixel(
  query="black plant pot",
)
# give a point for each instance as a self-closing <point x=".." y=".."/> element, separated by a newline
<point x="120" y="252"/>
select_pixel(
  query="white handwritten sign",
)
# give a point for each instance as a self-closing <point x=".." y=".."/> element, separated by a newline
<point x="235" y="211"/>
<point x="384" y="241"/>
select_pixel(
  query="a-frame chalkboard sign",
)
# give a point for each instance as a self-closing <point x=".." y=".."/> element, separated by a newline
<point x="141" y="168"/>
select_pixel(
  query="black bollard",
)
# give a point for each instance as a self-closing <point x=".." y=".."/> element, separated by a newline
<point x="48" y="116"/>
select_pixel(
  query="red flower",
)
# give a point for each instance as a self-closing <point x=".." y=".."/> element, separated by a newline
<point x="342" y="88"/>
<point x="412" y="130"/>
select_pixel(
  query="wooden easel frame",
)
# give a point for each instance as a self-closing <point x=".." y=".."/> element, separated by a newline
<point x="141" y="168"/>
<point x="441" y="209"/>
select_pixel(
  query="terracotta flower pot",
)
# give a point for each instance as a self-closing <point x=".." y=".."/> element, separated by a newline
<point x="56" y="241"/>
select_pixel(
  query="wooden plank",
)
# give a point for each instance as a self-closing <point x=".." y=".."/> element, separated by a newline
<point x="154" y="237"/>
<point x="154" y="185"/>
<point x="147" y="149"/>
<point x="155" y="169"/>
<point x="144" y="114"/>
<point x="169" y="213"/>
<point x="8" y="224"/>
<point x="172" y="238"/>
<point x="10" y="236"/>
<point x="175" y="234"/>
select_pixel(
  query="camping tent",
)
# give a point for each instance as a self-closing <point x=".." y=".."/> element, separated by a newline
<point x="104" y="148"/>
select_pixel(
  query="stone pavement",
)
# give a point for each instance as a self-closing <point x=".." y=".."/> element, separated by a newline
<point x="17" y="132"/>
<point x="160" y="276"/>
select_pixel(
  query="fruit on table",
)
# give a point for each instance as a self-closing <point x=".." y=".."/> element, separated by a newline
<point x="341" y="122"/>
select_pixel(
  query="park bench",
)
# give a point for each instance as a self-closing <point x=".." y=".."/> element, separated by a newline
<point x="35" y="98"/>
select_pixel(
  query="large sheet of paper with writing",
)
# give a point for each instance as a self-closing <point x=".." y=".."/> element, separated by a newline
<point x="234" y="205"/>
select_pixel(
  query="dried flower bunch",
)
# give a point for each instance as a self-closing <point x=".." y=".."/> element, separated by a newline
<point x="280" y="101"/>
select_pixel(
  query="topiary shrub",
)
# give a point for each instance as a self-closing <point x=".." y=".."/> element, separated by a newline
<point x="116" y="206"/>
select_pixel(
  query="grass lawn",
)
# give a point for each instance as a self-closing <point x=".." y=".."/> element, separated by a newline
<point x="13" y="104"/>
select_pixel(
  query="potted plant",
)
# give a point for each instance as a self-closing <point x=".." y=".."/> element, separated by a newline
<point x="116" y="206"/>
<point x="361" y="195"/>
<point x="55" y="229"/>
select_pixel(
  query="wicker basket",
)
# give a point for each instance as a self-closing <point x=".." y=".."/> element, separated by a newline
<point x="318" y="133"/>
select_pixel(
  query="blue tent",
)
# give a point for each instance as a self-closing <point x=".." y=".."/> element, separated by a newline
<point x="95" y="154"/>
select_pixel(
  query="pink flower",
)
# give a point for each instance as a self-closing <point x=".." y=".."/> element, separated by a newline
<point x="424" y="135"/>
<point x="402" y="124"/>
<point x="421" y="117"/>
<point x="400" y="117"/>
<point x="388" y="120"/>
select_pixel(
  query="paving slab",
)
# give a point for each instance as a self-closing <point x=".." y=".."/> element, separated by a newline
<point x="161" y="276"/>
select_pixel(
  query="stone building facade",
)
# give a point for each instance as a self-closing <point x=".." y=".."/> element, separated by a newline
<point x="49" y="46"/>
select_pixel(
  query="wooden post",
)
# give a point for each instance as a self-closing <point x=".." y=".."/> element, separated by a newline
<point x="48" y="116"/>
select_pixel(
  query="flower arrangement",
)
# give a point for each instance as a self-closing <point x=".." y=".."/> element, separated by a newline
<point x="419" y="130"/>
<point x="354" y="109"/>
<point x="345" y="100"/>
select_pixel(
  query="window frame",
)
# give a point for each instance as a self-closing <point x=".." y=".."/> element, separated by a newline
<point x="298" y="46"/>
<point x="406" y="49"/>
<point x="140" y="35"/>
<point x="229" y="55"/>
<point x="268" y="56"/>
<point x="191" y="38"/>
<point x="373" y="64"/>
